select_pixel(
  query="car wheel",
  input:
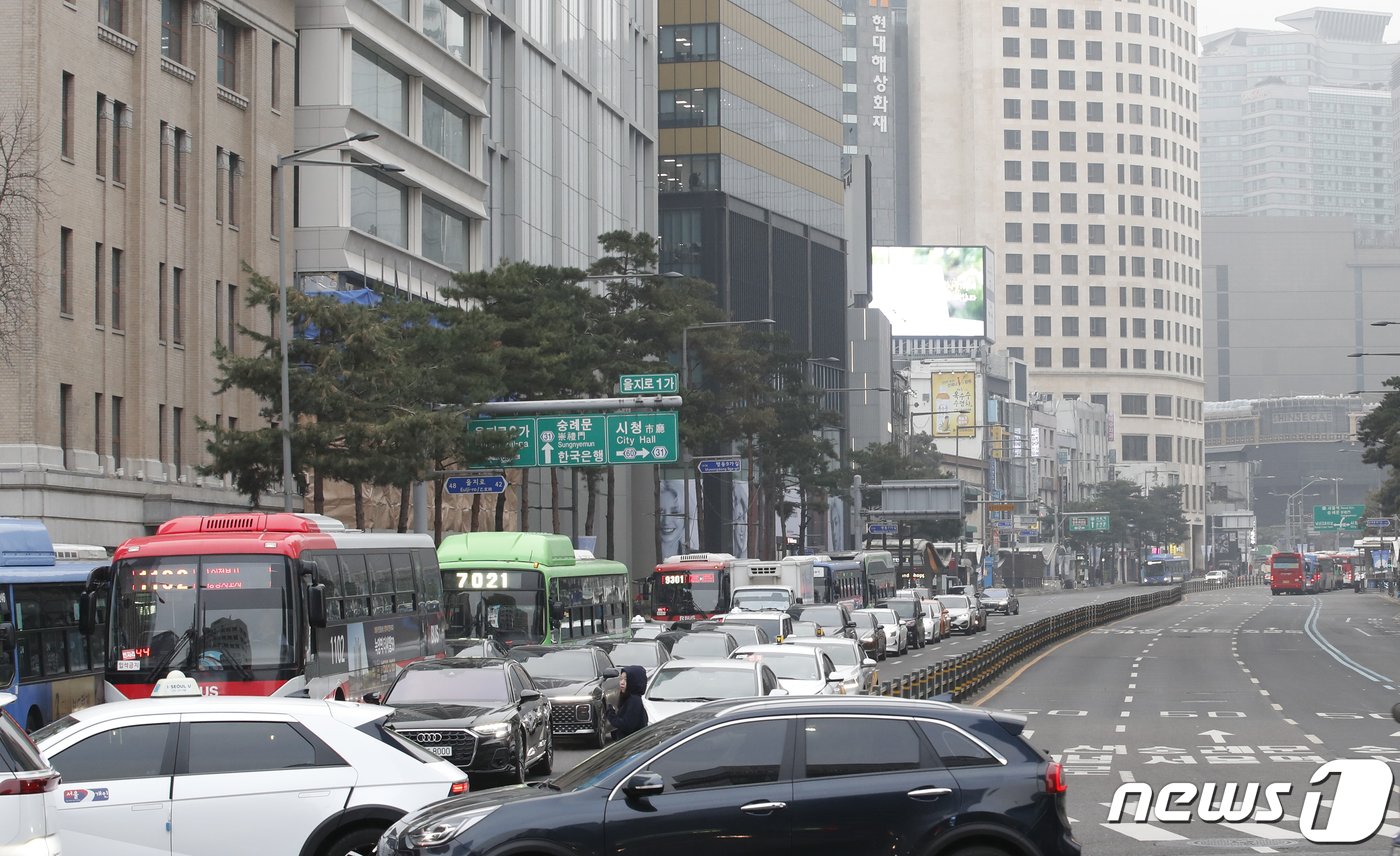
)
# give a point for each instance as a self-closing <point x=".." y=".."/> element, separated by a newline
<point x="361" y="841"/>
<point x="545" y="765"/>
<point x="979" y="850"/>
<point x="522" y="751"/>
<point x="599" y="737"/>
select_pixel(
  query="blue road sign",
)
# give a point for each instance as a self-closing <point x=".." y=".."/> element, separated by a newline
<point x="718" y="465"/>
<point x="476" y="484"/>
<point x="882" y="528"/>
<point x="1379" y="522"/>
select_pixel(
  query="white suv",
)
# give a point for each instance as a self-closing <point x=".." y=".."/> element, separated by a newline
<point x="28" y="792"/>
<point x="233" y="775"/>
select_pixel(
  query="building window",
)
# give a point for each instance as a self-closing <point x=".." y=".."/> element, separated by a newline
<point x="1134" y="405"/>
<point x="682" y="241"/>
<point x="1011" y="78"/>
<point x="445" y="235"/>
<point x="220" y="184"/>
<point x="1134" y="447"/>
<point x="235" y="173"/>
<point x="1013" y="201"/>
<point x="177" y="438"/>
<point x="1011" y="140"/>
<point x="229" y="35"/>
<point x="1010" y="47"/>
<point x="378" y="89"/>
<point x="1040" y="18"/>
<point x="1098" y="359"/>
<point x="276" y="91"/>
<point x="112" y="14"/>
<point x="1164" y="449"/>
<point x="1042" y="295"/>
<point x="1042" y="325"/>
<point x="445" y="128"/>
<point x="1040" y="263"/>
<point x="689" y="43"/>
<point x="1069" y="326"/>
<point x="65" y="421"/>
<point x="379" y="207"/>
<point x="66" y="130"/>
<point x="160" y="433"/>
<point x="121" y="121"/>
<point x="117" y="429"/>
<point x="274" y="196"/>
<point x="1014" y="263"/>
<point x="219" y="337"/>
<point x="688" y="108"/>
<point x="1098" y="295"/>
<point x="1040" y="233"/>
<point x="689" y="173"/>
<point x="172" y="29"/>
<point x="117" y="263"/>
<point x="177" y="160"/>
<point x="163" y="175"/>
<point x="177" y="305"/>
<point x="1015" y="325"/>
<point x="1098" y="326"/>
<point x="449" y="26"/>
<point x="65" y="270"/>
<point x="1042" y="358"/>
<point x="99" y="286"/>
<point x="99" y="424"/>
<point x="101" y="135"/>
<point x="1070" y="358"/>
<point x="231" y="319"/>
<point x="1139" y="358"/>
<point x="1015" y="294"/>
<point x="1013" y="233"/>
<point x="161" y="326"/>
<point x="1163" y="405"/>
<point x="1010" y="16"/>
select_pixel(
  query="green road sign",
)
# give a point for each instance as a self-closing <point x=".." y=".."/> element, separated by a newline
<point x="1328" y="518"/>
<point x="524" y="430"/>
<point x="643" y="438"/>
<point x="642" y="384"/>
<point x="586" y="439"/>
<point x="1087" y="522"/>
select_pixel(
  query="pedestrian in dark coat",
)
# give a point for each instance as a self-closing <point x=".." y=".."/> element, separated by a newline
<point x="629" y="716"/>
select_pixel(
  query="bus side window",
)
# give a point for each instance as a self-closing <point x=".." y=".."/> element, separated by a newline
<point x="403" y="582"/>
<point x="356" y="575"/>
<point x="382" y="578"/>
<point x="425" y="568"/>
<point x="328" y="577"/>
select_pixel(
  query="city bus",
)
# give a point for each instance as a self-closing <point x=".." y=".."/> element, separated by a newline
<point x="266" y="604"/>
<point x="1164" y="569"/>
<point x="1286" y="573"/>
<point x="692" y="586"/>
<point x="1319" y="572"/>
<point x="529" y="588"/>
<point x="47" y="663"/>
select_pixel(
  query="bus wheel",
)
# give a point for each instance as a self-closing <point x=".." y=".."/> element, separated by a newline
<point x="34" y="721"/>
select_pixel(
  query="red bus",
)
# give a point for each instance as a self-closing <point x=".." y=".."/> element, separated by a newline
<point x="1286" y="573"/>
<point x="266" y="604"/>
<point x="691" y="586"/>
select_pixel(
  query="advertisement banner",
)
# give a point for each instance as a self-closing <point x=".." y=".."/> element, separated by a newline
<point x="932" y="291"/>
<point x="954" y="392"/>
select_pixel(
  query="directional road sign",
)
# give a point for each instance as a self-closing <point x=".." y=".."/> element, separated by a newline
<point x="1335" y="517"/>
<point x="649" y="384"/>
<point x="523" y="430"/>
<point x="1087" y="522"/>
<point x="476" y="484"/>
<point x="573" y="440"/>
<point x="1001" y="506"/>
<point x="643" y="438"/>
<point x="882" y="528"/>
<point x="1379" y="522"/>
<point x="586" y="439"/>
<point x="718" y="465"/>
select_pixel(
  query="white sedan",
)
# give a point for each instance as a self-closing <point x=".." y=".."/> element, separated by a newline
<point x="859" y="675"/>
<point x="682" y="684"/>
<point x="896" y="633"/>
<point x="1217" y="577"/>
<point x="801" y="670"/>
<point x="233" y="775"/>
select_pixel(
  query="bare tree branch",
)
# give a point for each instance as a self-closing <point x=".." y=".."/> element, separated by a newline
<point x="23" y="207"/>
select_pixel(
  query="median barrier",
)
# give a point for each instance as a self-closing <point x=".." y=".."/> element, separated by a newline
<point x="961" y="676"/>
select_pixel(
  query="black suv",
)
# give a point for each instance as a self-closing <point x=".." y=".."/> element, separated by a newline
<point x="581" y="684"/>
<point x="485" y="716"/>
<point x="911" y="612"/>
<point x="836" y="774"/>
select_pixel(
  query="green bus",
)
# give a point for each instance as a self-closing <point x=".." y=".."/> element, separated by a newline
<point x="528" y="588"/>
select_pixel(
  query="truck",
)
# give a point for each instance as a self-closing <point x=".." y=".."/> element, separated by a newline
<point x="759" y="585"/>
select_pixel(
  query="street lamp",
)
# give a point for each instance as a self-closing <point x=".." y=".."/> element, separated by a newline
<point x="288" y="479"/>
<point x="685" y="385"/>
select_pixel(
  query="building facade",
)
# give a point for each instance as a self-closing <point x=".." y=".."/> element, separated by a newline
<point x="875" y="104"/>
<point x="1298" y="121"/>
<point x="1075" y="159"/>
<point x="158" y="126"/>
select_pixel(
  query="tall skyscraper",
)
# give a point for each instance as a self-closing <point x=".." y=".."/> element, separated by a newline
<point x="875" y="104"/>
<point x="1299" y="121"/>
<point x="1065" y="138"/>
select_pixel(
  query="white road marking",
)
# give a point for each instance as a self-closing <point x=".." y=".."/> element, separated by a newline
<point x="1120" y="728"/>
<point x="1029" y="733"/>
<point x="1126" y="775"/>
<point x="918" y="655"/>
<point x="1291" y="721"/>
<point x="1127" y="699"/>
<point x="1143" y="831"/>
<point x="1313" y="738"/>
<point x="1132" y="686"/>
<point x="1276" y="706"/>
<point x="1125" y="713"/>
<point x="1254" y="680"/>
<point x="1263" y="830"/>
<point x="1264" y="693"/>
<point x="1362" y="632"/>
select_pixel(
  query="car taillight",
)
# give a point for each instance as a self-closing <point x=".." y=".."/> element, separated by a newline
<point x="1055" y="779"/>
<point x="30" y="783"/>
<point x="459" y="788"/>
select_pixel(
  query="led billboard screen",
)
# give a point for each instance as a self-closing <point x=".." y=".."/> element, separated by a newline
<point x="933" y="291"/>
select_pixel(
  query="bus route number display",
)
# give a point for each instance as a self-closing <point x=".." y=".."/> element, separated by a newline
<point x="487" y="580"/>
<point x="682" y="579"/>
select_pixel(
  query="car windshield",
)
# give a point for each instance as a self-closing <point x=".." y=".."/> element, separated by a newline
<point x="772" y="626"/>
<point x="479" y="649"/>
<point x="447" y="685"/>
<point x="996" y="594"/>
<point x="805" y="628"/>
<point x="864" y="620"/>
<point x="953" y="601"/>
<point x="797" y="665"/>
<point x="701" y="645"/>
<point x="702" y="683"/>
<point x="635" y="654"/>
<point x="556" y="664"/>
<point x="902" y="608"/>
<point x="627" y="752"/>
<point x="826" y="616"/>
<point x="885" y="616"/>
<point x="762" y="599"/>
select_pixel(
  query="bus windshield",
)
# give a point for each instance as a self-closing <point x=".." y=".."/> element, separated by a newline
<point x="505" y="605"/>
<point x="226" y="614"/>
<point x="690" y="593"/>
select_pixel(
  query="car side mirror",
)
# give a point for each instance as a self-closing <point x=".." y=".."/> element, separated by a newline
<point x="833" y="678"/>
<point x="777" y="691"/>
<point x="316" y="605"/>
<point x="373" y="698"/>
<point x="644" y="784"/>
<point x="850" y="625"/>
<point x="611" y="673"/>
<point x="7" y="636"/>
<point x="530" y="695"/>
<point x="867" y="662"/>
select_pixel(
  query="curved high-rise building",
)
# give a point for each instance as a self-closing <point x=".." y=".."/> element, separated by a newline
<point x="1065" y="137"/>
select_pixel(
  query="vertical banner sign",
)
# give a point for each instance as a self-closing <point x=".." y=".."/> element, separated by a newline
<point x="954" y="391"/>
<point x="879" y="58"/>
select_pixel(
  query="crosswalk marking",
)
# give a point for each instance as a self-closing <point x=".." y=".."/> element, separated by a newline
<point x="1262" y="830"/>
<point x="1144" y="831"/>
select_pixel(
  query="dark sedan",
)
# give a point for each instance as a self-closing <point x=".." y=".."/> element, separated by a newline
<point x="581" y="683"/>
<point x="1000" y="600"/>
<point x="857" y="776"/>
<point x="485" y="716"/>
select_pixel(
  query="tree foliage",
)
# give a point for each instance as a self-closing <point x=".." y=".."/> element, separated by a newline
<point x="1379" y="435"/>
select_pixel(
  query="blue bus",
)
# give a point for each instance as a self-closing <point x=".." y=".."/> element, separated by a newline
<point x="46" y="661"/>
<point x="1164" y="569"/>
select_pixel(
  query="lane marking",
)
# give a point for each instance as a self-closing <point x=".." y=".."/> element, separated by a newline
<point x="1125" y="713"/>
<point x="1143" y="832"/>
<point x="1310" y="628"/>
<point x="1291" y="721"/>
<point x="1029" y="733"/>
<point x="1276" y="706"/>
<point x="1120" y="728"/>
<point x="1132" y="686"/>
<point x="1127" y="699"/>
<point x="1362" y="632"/>
<point x="1126" y="775"/>
<point x="1313" y="738"/>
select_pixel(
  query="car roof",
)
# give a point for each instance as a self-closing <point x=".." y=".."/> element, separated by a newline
<point x="709" y="662"/>
<point x="844" y="704"/>
<point x="458" y="663"/>
<point x="549" y="649"/>
<point x="349" y="712"/>
<point x="755" y="613"/>
<point x="766" y="649"/>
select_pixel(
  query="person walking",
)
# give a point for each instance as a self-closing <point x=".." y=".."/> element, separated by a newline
<point x="629" y="716"/>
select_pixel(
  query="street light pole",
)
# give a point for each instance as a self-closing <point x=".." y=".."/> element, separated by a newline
<point x="284" y="335"/>
<point x="685" y="385"/>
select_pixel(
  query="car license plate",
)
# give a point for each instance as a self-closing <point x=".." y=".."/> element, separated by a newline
<point x="444" y="751"/>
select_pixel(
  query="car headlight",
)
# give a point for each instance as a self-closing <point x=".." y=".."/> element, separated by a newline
<point x="493" y="729"/>
<point x="444" y="830"/>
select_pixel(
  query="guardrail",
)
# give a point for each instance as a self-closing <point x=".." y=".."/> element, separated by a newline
<point x="961" y="676"/>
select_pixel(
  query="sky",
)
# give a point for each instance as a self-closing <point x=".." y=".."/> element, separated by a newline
<point x="1212" y="16"/>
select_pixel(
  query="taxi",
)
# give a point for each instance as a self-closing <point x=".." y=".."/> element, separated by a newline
<point x="227" y="776"/>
